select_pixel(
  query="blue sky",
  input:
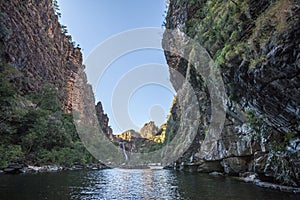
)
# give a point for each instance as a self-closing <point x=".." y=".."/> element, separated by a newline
<point x="92" y="22"/>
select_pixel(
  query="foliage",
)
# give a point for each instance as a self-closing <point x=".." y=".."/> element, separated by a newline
<point x="257" y="125"/>
<point x="236" y="34"/>
<point x="10" y="153"/>
<point x="56" y="8"/>
<point x="46" y="98"/>
<point x="64" y="29"/>
<point x="66" y="156"/>
<point x="171" y="130"/>
<point x="33" y="127"/>
<point x="9" y="113"/>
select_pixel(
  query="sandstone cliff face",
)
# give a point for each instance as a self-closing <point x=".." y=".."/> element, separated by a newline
<point x="34" y="44"/>
<point x="148" y="132"/>
<point x="256" y="48"/>
<point x="129" y="135"/>
<point x="149" y="129"/>
<point x="45" y="80"/>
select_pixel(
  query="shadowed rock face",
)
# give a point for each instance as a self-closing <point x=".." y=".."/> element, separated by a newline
<point x="103" y="120"/>
<point x="255" y="45"/>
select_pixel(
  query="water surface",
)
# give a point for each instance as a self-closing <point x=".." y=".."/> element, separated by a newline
<point x="130" y="184"/>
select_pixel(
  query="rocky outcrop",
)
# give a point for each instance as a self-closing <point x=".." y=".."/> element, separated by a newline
<point x="149" y="129"/>
<point x="103" y="121"/>
<point x="134" y="142"/>
<point x="14" y="168"/>
<point x="101" y="116"/>
<point x="256" y="48"/>
<point x="128" y="135"/>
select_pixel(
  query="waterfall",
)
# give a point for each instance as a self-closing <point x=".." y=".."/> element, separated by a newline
<point x="124" y="151"/>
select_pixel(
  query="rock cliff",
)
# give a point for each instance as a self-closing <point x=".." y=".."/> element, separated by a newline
<point x="255" y="45"/>
<point x="103" y="121"/>
<point x="149" y="129"/>
<point x="129" y="135"/>
<point x="42" y="82"/>
<point x="34" y="43"/>
<point x="149" y="138"/>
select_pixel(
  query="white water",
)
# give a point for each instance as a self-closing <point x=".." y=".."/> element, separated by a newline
<point x="124" y="151"/>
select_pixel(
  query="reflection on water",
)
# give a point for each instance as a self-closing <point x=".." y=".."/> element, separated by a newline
<point x="130" y="184"/>
<point x="127" y="184"/>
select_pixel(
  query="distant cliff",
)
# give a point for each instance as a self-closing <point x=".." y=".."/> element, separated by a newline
<point x="148" y="130"/>
<point x="103" y="120"/>
<point x="42" y="81"/>
<point x="255" y="45"/>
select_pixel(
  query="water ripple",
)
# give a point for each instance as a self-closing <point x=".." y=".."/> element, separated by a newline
<point x="128" y="184"/>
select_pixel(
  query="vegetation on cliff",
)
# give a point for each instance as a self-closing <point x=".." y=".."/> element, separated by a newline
<point x="255" y="45"/>
<point x="36" y="127"/>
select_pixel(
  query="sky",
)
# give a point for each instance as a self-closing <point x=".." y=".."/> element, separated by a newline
<point x="91" y="23"/>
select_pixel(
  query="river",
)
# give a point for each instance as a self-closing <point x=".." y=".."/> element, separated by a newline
<point x="130" y="184"/>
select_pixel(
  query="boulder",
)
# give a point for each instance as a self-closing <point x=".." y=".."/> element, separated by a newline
<point x="216" y="174"/>
<point x="235" y="165"/>
<point x="27" y="170"/>
<point x="13" y="168"/>
<point x="50" y="168"/>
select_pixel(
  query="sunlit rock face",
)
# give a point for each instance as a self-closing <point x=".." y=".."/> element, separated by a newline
<point x="129" y="135"/>
<point x="255" y="45"/>
<point x="36" y="46"/>
<point x="149" y="129"/>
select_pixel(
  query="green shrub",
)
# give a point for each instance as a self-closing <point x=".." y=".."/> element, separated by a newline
<point x="33" y="128"/>
<point x="10" y="154"/>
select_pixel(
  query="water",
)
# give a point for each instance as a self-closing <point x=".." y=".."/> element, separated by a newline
<point x="130" y="184"/>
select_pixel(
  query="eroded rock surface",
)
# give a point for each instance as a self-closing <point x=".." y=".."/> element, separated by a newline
<point x="255" y="46"/>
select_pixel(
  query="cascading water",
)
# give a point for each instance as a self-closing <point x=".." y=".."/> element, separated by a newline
<point x="124" y="151"/>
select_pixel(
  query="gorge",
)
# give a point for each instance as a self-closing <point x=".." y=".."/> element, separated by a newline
<point x="254" y="45"/>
